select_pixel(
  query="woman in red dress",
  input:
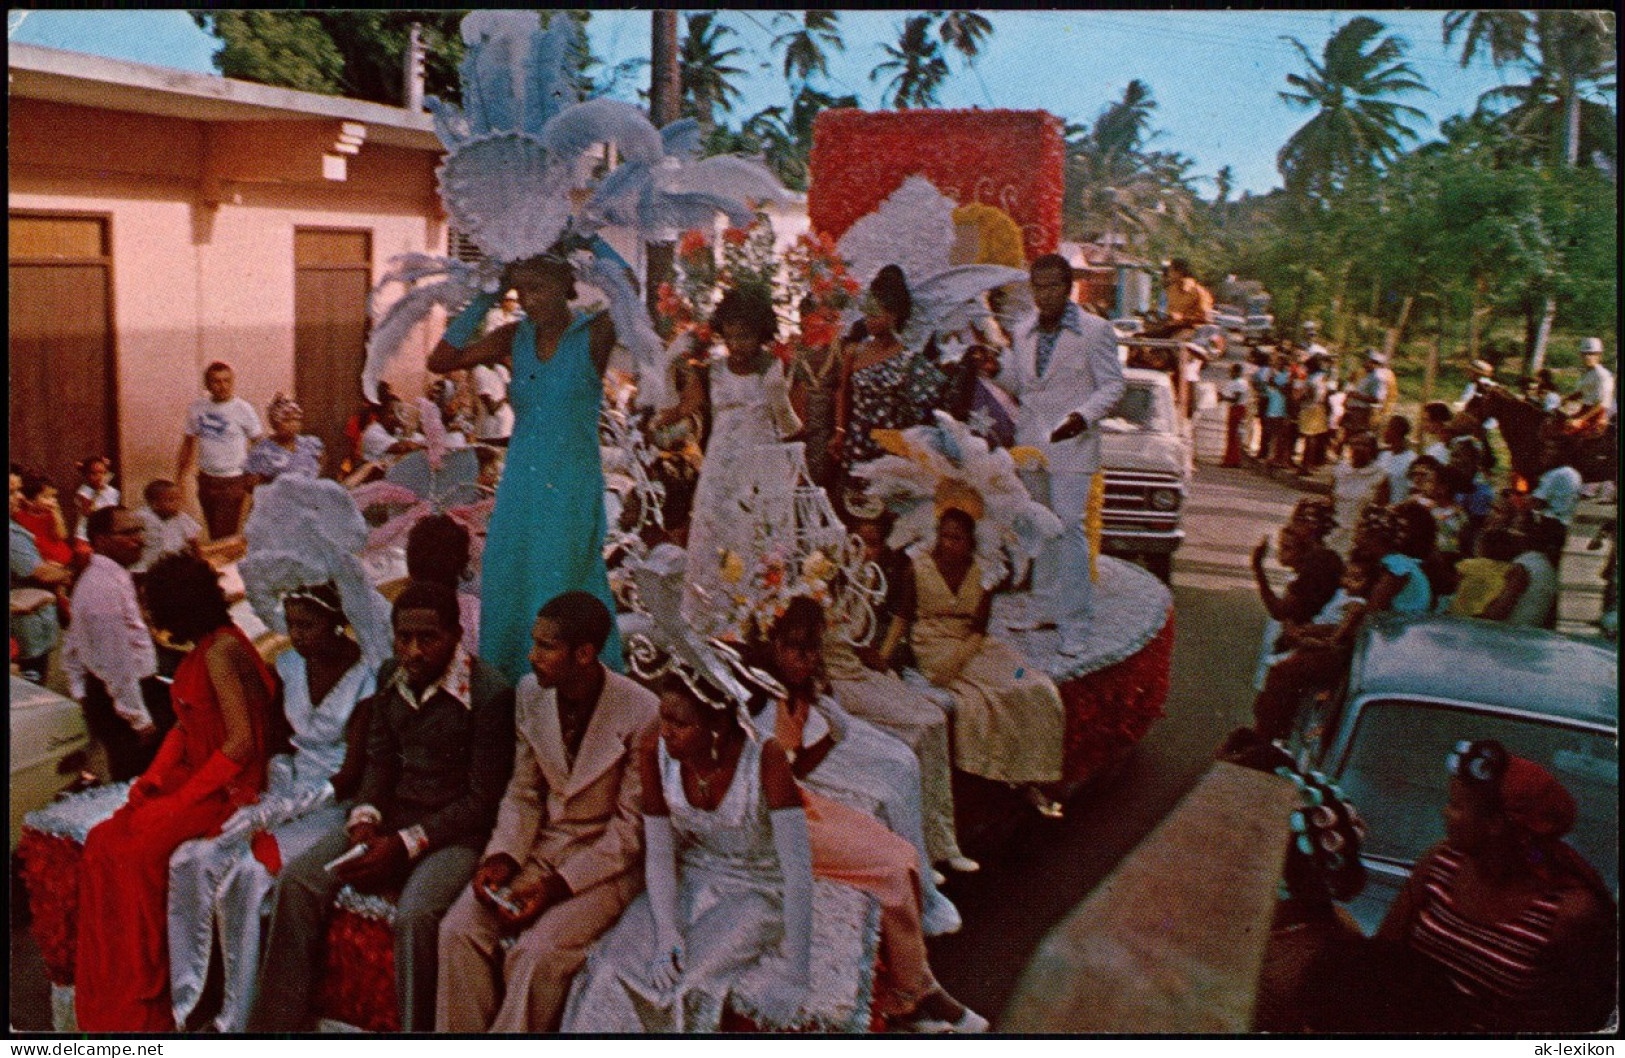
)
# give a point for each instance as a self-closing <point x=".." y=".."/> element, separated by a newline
<point x="212" y="762"/>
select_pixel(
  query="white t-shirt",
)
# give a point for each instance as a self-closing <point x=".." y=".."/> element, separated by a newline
<point x="107" y="497"/>
<point x="1438" y="450"/>
<point x="1597" y="387"/>
<point x="163" y="537"/>
<point x="1536" y="601"/>
<point x="376" y="442"/>
<point x="1352" y="489"/>
<point x="1560" y="488"/>
<point x="223" y="432"/>
<point x="491" y="383"/>
<point x="1396" y="465"/>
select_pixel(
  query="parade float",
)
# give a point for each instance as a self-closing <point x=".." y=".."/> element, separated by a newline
<point x="965" y="198"/>
<point x="1003" y="170"/>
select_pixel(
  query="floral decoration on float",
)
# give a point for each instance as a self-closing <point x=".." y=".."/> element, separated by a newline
<point x="1012" y="159"/>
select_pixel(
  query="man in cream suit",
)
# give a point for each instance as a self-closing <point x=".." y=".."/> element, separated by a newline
<point x="1063" y="369"/>
<point x="564" y="860"/>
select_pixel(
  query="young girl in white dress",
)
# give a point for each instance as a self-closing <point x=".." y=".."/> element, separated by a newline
<point x="750" y="415"/>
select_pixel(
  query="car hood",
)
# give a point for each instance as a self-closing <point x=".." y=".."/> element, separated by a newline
<point x="1142" y="451"/>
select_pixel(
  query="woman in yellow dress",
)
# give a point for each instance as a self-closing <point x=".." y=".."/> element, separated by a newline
<point x="1008" y="721"/>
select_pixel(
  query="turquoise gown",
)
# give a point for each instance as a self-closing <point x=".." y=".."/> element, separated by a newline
<point x="546" y="535"/>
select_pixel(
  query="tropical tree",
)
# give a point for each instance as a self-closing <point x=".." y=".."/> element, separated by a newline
<point x="1571" y="60"/>
<point x="1115" y="187"/>
<point x="916" y="65"/>
<point x="963" y="31"/>
<point x="805" y="43"/>
<point x="1357" y="128"/>
<point x="784" y="137"/>
<point x="1569" y="55"/>
<point x="707" y="78"/>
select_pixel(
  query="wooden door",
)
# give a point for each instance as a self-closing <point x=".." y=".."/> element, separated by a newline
<point x="332" y="275"/>
<point x="63" y="376"/>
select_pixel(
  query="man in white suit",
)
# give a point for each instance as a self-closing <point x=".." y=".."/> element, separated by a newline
<point x="1063" y="369"/>
<point x="564" y="860"/>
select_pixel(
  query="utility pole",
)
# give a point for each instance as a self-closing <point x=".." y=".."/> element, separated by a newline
<point x="665" y="106"/>
<point x="412" y="74"/>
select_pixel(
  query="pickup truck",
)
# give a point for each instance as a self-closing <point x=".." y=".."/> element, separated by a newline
<point x="1146" y="455"/>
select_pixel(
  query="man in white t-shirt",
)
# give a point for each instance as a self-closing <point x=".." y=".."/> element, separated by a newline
<point x="1596" y="392"/>
<point x="219" y="430"/>
<point x="493" y="415"/>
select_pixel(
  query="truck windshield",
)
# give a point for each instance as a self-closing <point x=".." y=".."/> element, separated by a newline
<point x="1395" y="774"/>
<point x="1136" y="408"/>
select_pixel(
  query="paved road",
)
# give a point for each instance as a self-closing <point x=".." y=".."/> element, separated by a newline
<point x="1044" y="868"/>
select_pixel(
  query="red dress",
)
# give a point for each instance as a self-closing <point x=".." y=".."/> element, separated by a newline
<point x="122" y="978"/>
<point x="52" y="548"/>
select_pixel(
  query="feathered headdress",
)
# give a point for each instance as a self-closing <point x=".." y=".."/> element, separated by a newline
<point x="712" y="669"/>
<point x="940" y="466"/>
<point x="305" y="531"/>
<point x="517" y="181"/>
<point x="914" y="229"/>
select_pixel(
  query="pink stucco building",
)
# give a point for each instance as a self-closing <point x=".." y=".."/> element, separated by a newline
<point x="162" y="220"/>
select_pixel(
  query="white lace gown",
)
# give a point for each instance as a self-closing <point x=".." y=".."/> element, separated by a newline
<point x="730" y="908"/>
<point x="743" y="480"/>
<point x="217" y="885"/>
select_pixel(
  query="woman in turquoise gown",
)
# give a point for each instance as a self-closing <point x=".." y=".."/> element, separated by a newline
<point x="546" y="535"/>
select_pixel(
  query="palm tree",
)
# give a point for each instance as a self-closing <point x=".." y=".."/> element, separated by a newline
<point x="707" y="77"/>
<point x="1126" y="124"/>
<point x="916" y="64"/>
<point x="785" y="138"/>
<point x="1357" y="128"/>
<point x="1568" y="56"/>
<point x="963" y="31"/>
<point x="804" y="43"/>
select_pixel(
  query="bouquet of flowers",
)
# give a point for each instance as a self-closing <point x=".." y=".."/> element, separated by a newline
<point x="822" y="286"/>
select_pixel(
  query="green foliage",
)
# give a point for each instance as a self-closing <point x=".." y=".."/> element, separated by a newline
<point x="1356" y="128"/>
<point x="360" y="54"/>
<point x="707" y="78"/>
<point x="285" y="48"/>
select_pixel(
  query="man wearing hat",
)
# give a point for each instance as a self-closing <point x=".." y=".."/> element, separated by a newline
<point x="1596" y="392"/>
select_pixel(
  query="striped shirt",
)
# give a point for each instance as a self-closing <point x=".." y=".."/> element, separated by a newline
<point x="1502" y="968"/>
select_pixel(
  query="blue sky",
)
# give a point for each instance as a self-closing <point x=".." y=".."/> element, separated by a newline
<point x="1214" y="74"/>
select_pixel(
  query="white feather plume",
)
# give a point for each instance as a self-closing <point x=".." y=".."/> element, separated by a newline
<point x="575" y="130"/>
<point x="393" y="324"/>
<point x="1013" y="527"/>
<point x="305" y="531"/>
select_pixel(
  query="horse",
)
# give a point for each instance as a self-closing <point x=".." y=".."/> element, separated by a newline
<point x="1523" y="427"/>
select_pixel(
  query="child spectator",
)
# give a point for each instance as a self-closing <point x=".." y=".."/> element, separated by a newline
<point x="169" y="530"/>
<point x="1234" y="394"/>
<point x="94" y="492"/>
<point x="1354" y="485"/>
<point x="1395" y="459"/>
<point x="41" y="514"/>
<point x="1435" y="432"/>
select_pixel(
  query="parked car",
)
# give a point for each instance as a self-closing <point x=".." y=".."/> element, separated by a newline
<point x="1147" y="458"/>
<point x="50" y="747"/>
<point x="1417" y="687"/>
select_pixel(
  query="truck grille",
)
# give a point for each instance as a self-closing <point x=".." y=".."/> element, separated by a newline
<point x="1128" y="502"/>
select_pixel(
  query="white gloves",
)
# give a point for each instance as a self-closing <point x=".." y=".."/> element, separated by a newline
<point x="660" y="878"/>
<point x="794" y="846"/>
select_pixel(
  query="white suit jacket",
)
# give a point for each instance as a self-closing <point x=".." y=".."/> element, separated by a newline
<point x="1084" y="376"/>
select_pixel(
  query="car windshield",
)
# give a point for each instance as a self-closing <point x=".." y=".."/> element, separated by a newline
<point x="1137" y="409"/>
<point x="1395" y="774"/>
